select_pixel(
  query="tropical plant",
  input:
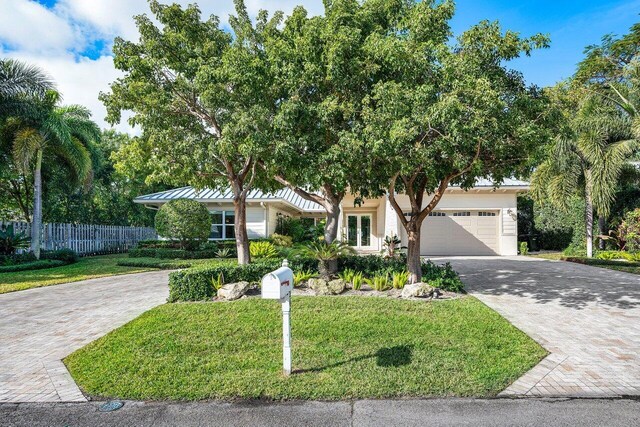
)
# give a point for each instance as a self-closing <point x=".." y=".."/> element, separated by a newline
<point x="217" y="282"/>
<point x="586" y="158"/>
<point x="185" y="220"/>
<point x="524" y="248"/>
<point x="629" y="230"/>
<point x="379" y="282"/>
<point x="44" y="130"/>
<point x="347" y="275"/>
<point x="356" y="281"/>
<point x="399" y="279"/>
<point x="262" y="249"/>
<point x="18" y="79"/>
<point x="390" y="245"/>
<point x="10" y="241"/>
<point x="327" y="255"/>
<point x="223" y="253"/>
<point x="302" y="276"/>
<point x="281" y="240"/>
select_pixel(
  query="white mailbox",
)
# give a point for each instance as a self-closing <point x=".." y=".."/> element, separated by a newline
<point x="277" y="284"/>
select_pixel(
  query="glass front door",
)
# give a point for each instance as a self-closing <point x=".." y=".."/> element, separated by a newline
<point x="359" y="230"/>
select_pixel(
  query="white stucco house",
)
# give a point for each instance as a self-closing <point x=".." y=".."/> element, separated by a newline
<point x="479" y="221"/>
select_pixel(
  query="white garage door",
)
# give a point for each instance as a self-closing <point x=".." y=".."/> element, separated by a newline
<point x="460" y="233"/>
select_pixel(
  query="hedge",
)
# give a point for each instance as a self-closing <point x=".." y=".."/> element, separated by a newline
<point x="33" y="265"/>
<point x="194" y="284"/>
<point x="165" y="253"/>
<point x="154" y="263"/>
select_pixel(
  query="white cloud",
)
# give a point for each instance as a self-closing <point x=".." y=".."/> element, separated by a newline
<point x="27" y="25"/>
<point x="54" y="38"/>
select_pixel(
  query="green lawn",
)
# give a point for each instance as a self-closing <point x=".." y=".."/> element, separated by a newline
<point x="343" y="347"/>
<point x="627" y="267"/>
<point x="85" y="268"/>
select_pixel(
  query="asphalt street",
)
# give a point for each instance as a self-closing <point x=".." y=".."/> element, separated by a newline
<point x="426" y="412"/>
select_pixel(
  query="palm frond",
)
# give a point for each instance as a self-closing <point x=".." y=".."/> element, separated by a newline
<point x="20" y="79"/>
<point x="25" y="145"/>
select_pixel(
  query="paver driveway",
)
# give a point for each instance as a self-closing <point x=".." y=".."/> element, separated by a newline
<point x="587" y="317"/>
<point x="39" y="327"/>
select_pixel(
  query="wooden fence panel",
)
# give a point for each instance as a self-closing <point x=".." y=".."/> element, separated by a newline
<point x="87" y="239"/>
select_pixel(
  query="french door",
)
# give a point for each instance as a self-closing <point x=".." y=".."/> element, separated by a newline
<point x="359" y="230"/>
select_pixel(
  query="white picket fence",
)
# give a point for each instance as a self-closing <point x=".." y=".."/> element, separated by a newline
<point x="88" y="239"/>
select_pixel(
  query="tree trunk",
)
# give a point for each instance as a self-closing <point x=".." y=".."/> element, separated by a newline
<point x="601" y="230"/>
<point x="333" y="218"/>
<point x="242" y="238"/>
<point x="589" y="215"/>
<point x="414" y="265"/>
<point x="36" y="223"/>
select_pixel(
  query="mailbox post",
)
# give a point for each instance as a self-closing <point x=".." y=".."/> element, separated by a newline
<point x="278" y="285"/>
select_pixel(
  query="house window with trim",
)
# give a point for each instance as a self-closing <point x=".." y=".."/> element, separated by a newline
<point x="222" y="225"/>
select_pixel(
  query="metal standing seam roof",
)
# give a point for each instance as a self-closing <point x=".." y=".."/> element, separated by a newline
<point x="207" y="195"/>
<point x="284" y="195"/>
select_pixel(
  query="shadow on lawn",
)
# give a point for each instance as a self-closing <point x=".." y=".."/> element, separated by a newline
<point x="386" y="357"/>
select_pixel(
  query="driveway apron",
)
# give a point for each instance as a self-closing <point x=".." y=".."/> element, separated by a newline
<point x="588" y="318"/>
<point x="39" y="327"/>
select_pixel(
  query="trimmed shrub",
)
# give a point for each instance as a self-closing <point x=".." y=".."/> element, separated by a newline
<point x="169" y="244"/>
<point x="33" y="265"/>
<point x="195" y="284"/>
<point x="66" y="255"/>
<point x="17" y="258"/>
<point x="153" y="263"/>
<point x="185" y="220"/>
<point x="165" y="253"/>
<point x="629" y="230"/>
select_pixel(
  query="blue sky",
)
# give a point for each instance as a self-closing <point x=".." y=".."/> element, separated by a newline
<point x="71" y="39"/>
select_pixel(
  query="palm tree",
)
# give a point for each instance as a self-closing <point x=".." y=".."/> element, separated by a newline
<point x="65" y="133"/>
<point x="586" y="158"/>
<point x="19" y="79"/>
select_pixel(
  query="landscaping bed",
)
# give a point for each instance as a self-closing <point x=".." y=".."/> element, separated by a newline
<point x="343" y="348"/>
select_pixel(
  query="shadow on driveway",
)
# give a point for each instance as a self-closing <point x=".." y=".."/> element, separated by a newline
<point x="572" y="285"/>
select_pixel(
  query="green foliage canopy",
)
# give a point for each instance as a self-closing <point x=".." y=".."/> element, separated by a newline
<point x="185" y="220"/>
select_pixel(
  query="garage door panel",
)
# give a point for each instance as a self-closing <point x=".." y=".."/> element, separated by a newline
<point x="462" y="233"/>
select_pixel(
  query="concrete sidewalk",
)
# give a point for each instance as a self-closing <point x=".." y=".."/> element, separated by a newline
<point x="383" y="413"/>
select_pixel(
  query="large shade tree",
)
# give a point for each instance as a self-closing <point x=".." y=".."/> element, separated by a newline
<point x="326" y="66"/>
<point x="202" y="98"/>
<point x="454" y="113"/>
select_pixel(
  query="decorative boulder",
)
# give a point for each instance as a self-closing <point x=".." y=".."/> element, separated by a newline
<point x="233" y="291"/>
<point x="323" y="287"/>
<point x="418" y="290"/>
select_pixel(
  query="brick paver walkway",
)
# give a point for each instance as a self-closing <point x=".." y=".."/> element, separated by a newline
<point x="39" y="327"/>
<point x="587" y="317"/>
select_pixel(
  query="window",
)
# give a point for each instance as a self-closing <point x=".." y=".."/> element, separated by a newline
<point x="462" y="213"/>
<point x="437" y="214"/>
<point x="486" y="214"/>
<point x="222" y="226"/>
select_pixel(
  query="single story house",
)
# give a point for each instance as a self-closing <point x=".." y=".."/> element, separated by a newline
<point x="478" y="221"/>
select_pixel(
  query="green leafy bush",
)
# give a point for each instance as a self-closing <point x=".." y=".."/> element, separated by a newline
<point x="168" y="244"/>
<point x="281" y="240"/>
<point x="263" y="250"/>
<point x="33" y="265"/>
<point x="629" y="230"/>
<point x="444" y="275"/>
<point x="299" y="229"/>
<point x="371" y="264"/>
<point x="524" y="248"/>
<point x="65" y="255"/>
<point x="17" y="258"/>
<point x="184" y="220"/>
<point x="302" y="276"/>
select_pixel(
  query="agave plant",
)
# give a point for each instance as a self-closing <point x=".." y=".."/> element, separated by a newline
<point x="327" y="255"/>
<point x="10" y="241"/>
